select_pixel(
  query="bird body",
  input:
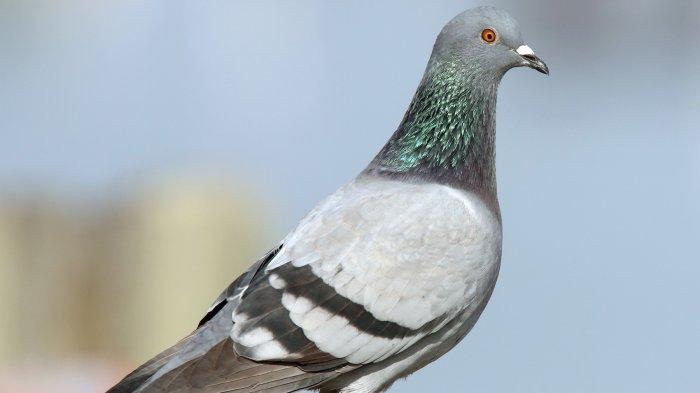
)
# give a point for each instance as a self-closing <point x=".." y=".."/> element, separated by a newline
<point x="389" y="272"/>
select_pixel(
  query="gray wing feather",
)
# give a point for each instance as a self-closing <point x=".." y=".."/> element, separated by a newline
<point x="238" y="286"/>
<point x="205" y="361"/>
<point x="220" y="370"/>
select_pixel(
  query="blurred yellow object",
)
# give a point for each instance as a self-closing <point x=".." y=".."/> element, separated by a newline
<point x="123" y="280"/>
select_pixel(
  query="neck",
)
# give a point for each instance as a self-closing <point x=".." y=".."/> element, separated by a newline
<point x="448" y="133"/>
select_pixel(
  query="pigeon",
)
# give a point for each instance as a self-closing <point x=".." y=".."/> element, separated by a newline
<point x="389" y="272"/>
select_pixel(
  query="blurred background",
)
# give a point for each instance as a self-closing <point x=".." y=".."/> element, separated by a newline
<point x="150" y="151"/>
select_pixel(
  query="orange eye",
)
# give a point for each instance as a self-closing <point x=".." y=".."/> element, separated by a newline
<point x="488" y="36"/>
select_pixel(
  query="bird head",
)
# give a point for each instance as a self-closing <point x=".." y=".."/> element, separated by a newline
<point x="485" y="41"/>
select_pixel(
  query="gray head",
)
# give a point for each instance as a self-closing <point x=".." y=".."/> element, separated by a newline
<point x="485" y="40"/>
<point x="448" y="132"/>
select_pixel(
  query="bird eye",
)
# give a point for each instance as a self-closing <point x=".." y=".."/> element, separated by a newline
<point x="488" y="35"/>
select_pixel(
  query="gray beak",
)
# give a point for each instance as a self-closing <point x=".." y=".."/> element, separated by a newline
<point x="530" y="60"/>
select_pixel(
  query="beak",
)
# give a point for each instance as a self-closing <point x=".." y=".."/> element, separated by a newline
<point x="530" y="60"/>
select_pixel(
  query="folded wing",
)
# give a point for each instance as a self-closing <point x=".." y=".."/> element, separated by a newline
<point x="372" y="270"/>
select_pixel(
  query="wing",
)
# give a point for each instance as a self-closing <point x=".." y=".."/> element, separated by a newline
<point x="368" y="273"/>
<point x="205" y="361"/>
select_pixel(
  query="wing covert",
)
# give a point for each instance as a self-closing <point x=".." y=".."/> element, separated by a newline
<point x="368" y="273"/>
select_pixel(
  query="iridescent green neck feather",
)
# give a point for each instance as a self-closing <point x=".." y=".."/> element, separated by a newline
<point x="448" y="132"/>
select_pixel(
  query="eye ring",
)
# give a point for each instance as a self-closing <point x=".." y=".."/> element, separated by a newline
<point x="489" y="35"/>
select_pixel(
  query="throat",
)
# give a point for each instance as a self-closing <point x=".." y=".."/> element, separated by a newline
<point x="448" y="133"/>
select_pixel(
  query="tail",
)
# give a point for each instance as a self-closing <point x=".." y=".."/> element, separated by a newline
<point x="205" y="361"/>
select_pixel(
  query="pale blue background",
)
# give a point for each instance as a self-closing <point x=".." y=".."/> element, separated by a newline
<point x="598" y="163"/>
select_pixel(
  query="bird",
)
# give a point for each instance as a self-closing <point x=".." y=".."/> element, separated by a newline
<point x="390" y="271"/>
